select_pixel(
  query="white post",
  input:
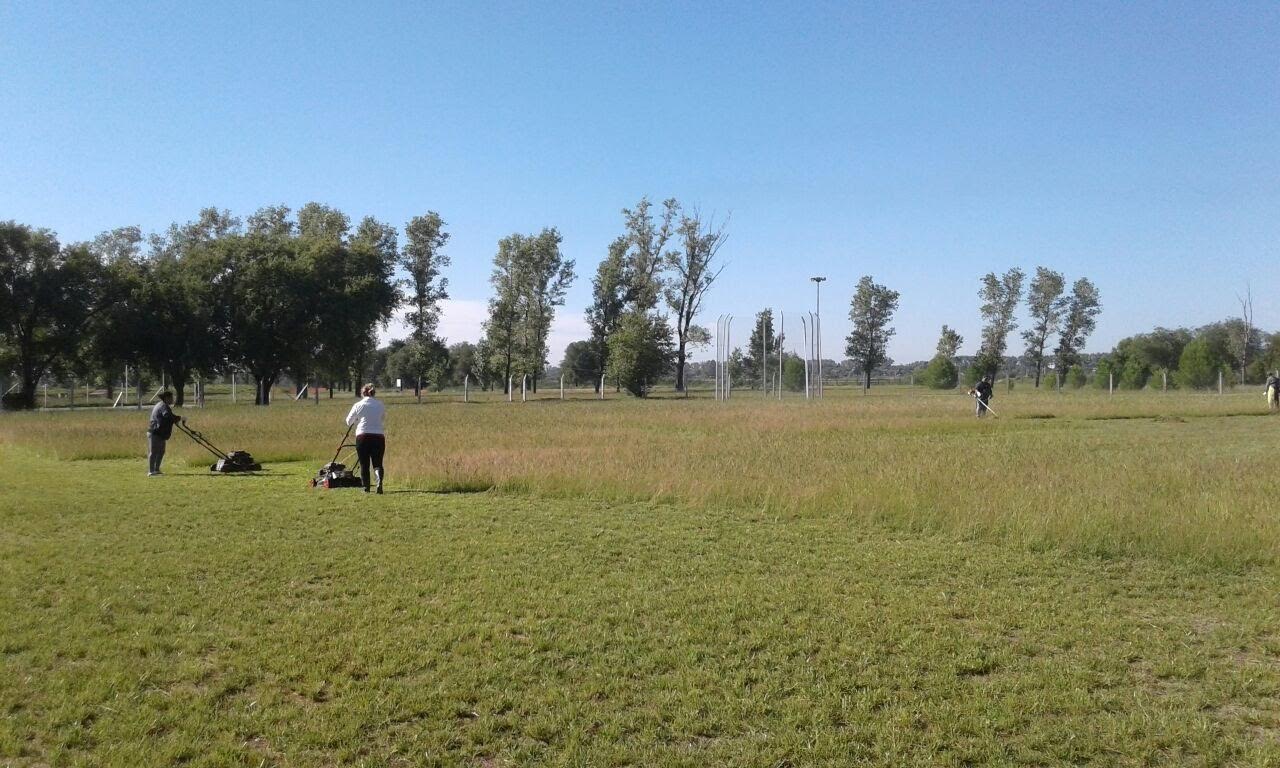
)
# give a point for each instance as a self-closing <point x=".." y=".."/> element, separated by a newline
<point x="1111" y="383"/>
<point x="562" y="386"/>
<point x="805" y="329"/>
<point x="511" y="386"/>
<point x="46" y="397"/>
<point x="466" y="387"/>
<point x="524" y="382"/>
<point x="1164" y="381"/>
<point x="233" y="386"/>
<point x="602" y="386"/>
<point x="1219" y="381"/>
<point x="728" y="370"/>
<point x="764" y="358"/>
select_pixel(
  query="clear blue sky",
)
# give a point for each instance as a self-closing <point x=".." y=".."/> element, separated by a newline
<point x="1136" y="144"/>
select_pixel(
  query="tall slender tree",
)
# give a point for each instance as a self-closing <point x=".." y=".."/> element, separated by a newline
<point x="544" y="277"/>
<point x="1080" y="317"/>
<point x="1000" y="295"/>
<point x="693" y="271"/>
<point x="608" y="302"/>
<point x="423" y="259"/>
<point x="1045" y="304"/>
<point x="871" y="311"/>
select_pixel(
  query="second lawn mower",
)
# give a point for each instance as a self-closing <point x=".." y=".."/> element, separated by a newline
<point x="235" y="461"/>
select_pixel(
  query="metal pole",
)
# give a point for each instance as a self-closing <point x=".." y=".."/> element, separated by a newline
<point x="805" y="330"/>
<point x="466" y="388"/>
<point x="233" y="386"/>
<point x="1111" y="383"/>
<point x="782" y="338"/>
<point x="602" y="385"/>
<point x="764" y="357"/>
<point x="562" y="386"/>
<point x="511" y="385"/>
<point x="728" y="370"/>
<point x="524" y="388"/>
<point x="817" y="328"/>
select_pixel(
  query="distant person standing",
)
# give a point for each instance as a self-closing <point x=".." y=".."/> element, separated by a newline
<point x="159" y="431"/>
<point x="982" y="392"/>
<point x="366" y="415"/>
<point x="1273" y="391"/>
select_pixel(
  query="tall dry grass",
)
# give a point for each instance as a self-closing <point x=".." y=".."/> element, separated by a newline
<point x="1177" y="475"/>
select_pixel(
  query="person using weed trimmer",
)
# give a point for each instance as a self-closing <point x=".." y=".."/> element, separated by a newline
<point x="371" y="442"/>
<point x="982" y="392"/>
<point x="159" y="431"/>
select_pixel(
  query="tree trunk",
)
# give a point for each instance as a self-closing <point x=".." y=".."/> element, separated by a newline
<point x="680" y="361"/>
<point x="262" y="393"/>
<point x="867" y="385"/>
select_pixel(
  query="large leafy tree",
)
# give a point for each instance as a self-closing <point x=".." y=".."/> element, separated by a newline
<point x="1045" y="305"/>
<point x="580" y="364"/>
<point x="1000" y="295"/>
<point x="941" y="373"/>
<point x="647" y="239"/>
<point x="640" y="351"/>
<point x="1080" y="317"/>
<point x="871" y="311"/>
<point x="545" y="276"/>
<point x="693" y="270"/>
<point x="48" y="293"/>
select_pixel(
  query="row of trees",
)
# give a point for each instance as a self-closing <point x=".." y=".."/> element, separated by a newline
<point x="271" y="295"/>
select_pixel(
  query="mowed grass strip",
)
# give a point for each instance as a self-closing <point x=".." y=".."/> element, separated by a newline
<point x="213" y="621"/>
<point x="1183" y="476"/>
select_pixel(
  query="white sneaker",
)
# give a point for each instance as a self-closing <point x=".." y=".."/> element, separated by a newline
<point x="153" y="474"/>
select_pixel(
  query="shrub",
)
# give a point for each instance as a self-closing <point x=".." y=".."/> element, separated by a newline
<point x="941" y="373"/>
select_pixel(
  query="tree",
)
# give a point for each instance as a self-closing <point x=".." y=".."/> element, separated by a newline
<point x="1000" y="296"/>
<point x="941" y="373"/>
<point x="608" y="300"/>
<point x="48" y="294"/>
<point x="462" y="363"/>
<point x="1198" y="366"/>
<point x="640" y="351"/>
<point x="1245" y="341"/>
<point x="694" y="270"/>
<point x="949" y="342"/>
<point x="580" y="364"/>
<point x="1044" y="303"/>
<point x="423" y="259"/>
<point x="1078" y="321"/>
<point x="646" y="254"/>
<point x="870" y="311"/>
<point x="545" y="277"/>
<point x="793" y="373"/>
<point x="763" y="348"/>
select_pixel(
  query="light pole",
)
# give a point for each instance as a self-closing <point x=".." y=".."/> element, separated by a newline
<point x="817" y="331"/>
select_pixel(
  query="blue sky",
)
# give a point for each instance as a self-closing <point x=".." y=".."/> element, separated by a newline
<point x="924" y="144"/>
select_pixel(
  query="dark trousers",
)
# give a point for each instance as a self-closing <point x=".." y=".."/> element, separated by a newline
<point x="370" y="449"/>
<point x="155" y="452"/>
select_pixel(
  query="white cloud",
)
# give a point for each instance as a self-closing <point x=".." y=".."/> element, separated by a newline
<point x="463" y="320"/>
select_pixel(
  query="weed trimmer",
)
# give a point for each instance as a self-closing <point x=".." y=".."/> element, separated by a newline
<point x="235" y="461"/>
<point x="335" y="474"/>
<point x="985" y="407"/>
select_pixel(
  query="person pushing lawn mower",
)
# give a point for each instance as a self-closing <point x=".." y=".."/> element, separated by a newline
<point x="159" y="431"/>
<point x="366" y="415"/>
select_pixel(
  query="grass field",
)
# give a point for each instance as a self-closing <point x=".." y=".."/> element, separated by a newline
<point x="872" y="580"/>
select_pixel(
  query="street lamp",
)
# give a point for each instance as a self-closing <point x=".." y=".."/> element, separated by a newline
<point x="817" y="335"/>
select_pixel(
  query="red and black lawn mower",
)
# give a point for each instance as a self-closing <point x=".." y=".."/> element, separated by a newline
<point x="235" y="461"/>
<point x="335" y="474"/>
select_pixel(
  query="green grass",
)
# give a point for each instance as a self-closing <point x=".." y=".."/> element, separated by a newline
<point x="646" y="586"/>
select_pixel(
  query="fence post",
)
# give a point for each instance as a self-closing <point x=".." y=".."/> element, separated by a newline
<point x="1219" y="381"/>
<point x="562" y="386"/>
<point x="524" y="384"/>
<point x="602" y="386"/>
<point x="511" y="386"/>
<point x="233" y="387"/>
<point x="466" y="388"/>
<point x="1111" y="383"/>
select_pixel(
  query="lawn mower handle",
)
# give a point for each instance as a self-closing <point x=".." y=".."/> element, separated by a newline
<point x="342" y="444"/>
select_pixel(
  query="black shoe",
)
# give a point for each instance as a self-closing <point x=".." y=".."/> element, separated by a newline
<point x="379" y="490"/>
<point x="365" y="489"/>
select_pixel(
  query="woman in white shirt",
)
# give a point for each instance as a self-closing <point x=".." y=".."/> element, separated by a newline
<point x="366" y="415"/>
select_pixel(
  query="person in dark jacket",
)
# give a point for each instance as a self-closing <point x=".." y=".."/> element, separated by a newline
<point x="982" y="392"/>
<point x="159" y="431"/>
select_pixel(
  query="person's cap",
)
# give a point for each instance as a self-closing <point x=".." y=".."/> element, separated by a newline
<point x="166" y="395"/>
